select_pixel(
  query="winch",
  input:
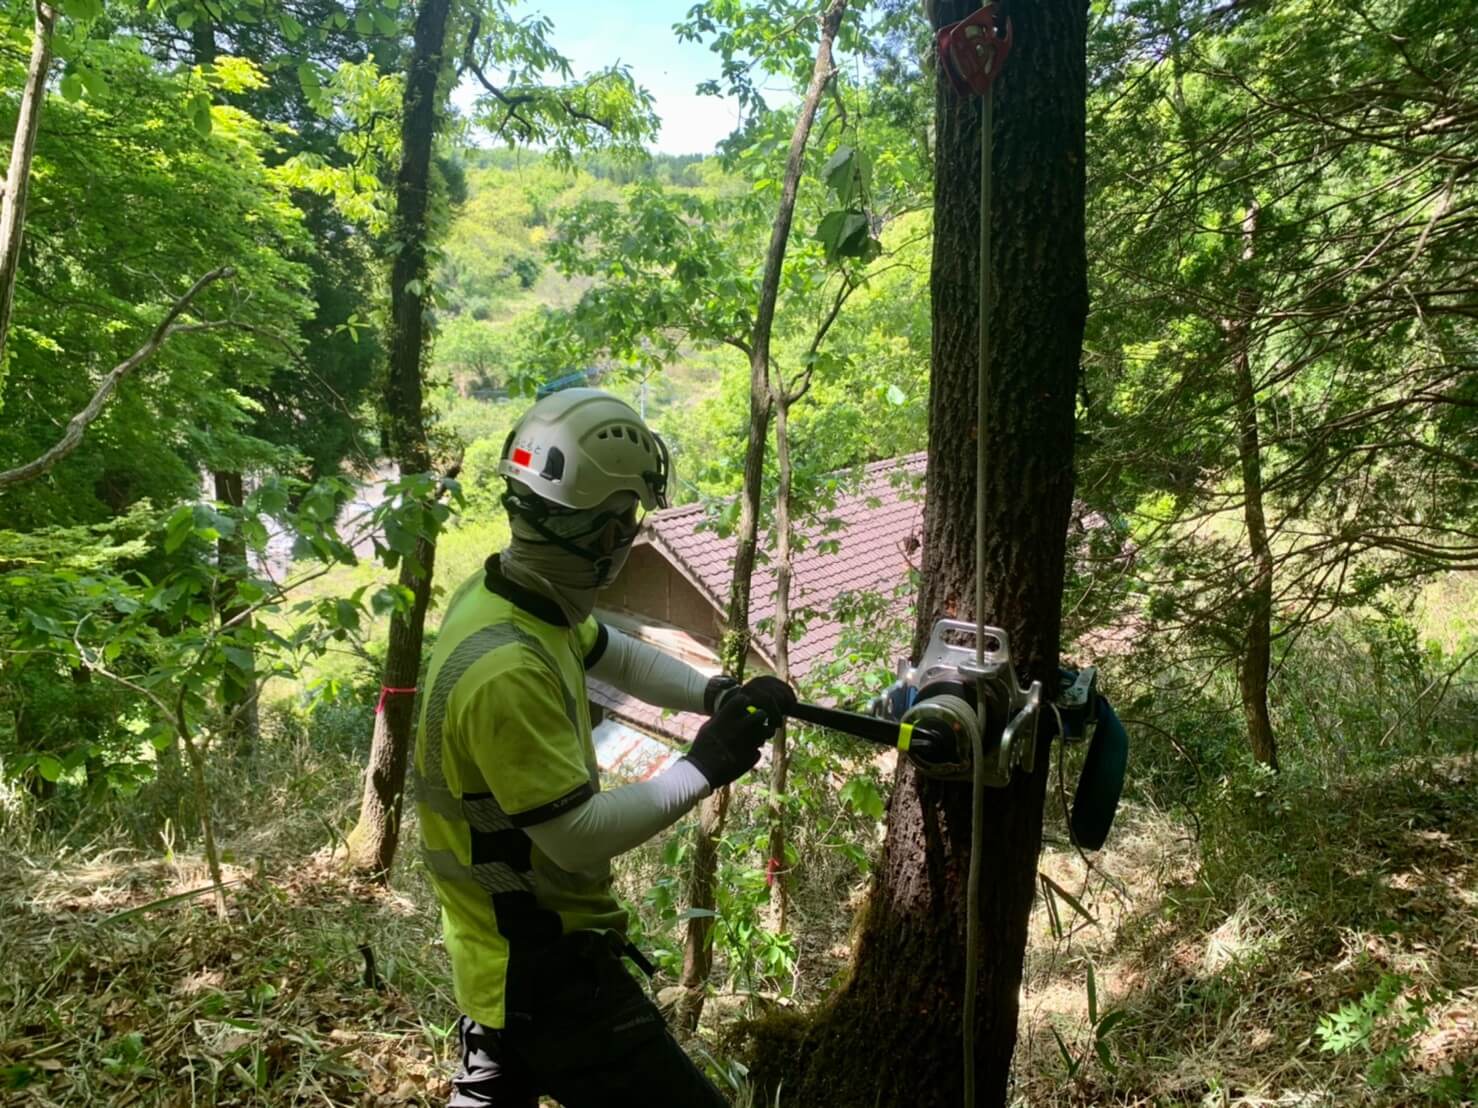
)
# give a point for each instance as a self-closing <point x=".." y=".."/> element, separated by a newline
<point x="932" y="714"/>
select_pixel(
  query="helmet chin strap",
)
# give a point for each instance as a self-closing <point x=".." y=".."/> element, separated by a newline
<point x="540" y="558"/>
<point x="535" y="514"/>
<point x="600" y="563"/>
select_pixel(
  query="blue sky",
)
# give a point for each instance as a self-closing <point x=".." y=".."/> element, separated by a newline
<point x="596" y="33"/>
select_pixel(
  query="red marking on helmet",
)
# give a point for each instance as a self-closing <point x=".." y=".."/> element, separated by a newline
<point x="521" y="457"/>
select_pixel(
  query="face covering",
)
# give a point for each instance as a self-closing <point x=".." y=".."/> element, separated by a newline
<point x="570" y="579"/>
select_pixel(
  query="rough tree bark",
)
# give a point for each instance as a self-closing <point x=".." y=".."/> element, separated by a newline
<point x="18" y="175"/>
<point x="734" y="650"/>
<point x="373" y="841"/>
<point x="906" y="986"/>
<point x="1257" y="653"/>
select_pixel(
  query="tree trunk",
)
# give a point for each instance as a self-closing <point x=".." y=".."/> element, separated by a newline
<point x="1257" y="654"/>
<point x="734" y="650"/>
<point x="239" y="684"/>
<point x="775" y="871"/>
<point x="909" y="961"/>
<point x="18" y="175"/>
<point x="373" y="841"/>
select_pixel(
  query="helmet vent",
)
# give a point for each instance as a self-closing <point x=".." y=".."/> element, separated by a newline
<point x="554" y="464"/>
<point x="631" y="433"/>
<point x="601" y="434"/>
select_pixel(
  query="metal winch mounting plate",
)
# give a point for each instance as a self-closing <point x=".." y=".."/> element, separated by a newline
<point x="980" y="702"/>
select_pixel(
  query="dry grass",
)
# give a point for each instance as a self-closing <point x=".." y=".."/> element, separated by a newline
<point x="1223" y="944"/>
<point x="1224" y="954"/>
<point x="107" y="1000"/>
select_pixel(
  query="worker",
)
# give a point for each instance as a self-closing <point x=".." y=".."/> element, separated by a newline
<point x="516" y="833"/>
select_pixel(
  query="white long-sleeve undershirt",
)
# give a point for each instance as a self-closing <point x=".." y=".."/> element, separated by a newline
<point x="643" y="671"/>
<point x="611" y="823"/>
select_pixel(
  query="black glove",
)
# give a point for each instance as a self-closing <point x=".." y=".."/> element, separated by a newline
<point x="728" y="745"/>
<point x="772" y="696"/>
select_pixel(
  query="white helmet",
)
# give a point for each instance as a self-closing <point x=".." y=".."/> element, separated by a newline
<point x="579" y="447"/>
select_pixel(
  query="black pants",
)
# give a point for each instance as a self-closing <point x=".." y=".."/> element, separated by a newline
<point x="581" y="1031"/>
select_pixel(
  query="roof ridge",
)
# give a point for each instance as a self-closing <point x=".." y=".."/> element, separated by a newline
<point x="902" y="461"/>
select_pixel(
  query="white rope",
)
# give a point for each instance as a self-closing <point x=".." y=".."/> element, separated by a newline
<point x="977" y="800"/>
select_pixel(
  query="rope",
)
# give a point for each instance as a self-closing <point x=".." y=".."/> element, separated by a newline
<point x="977" y="800"/>
<point x="386" y="692"/>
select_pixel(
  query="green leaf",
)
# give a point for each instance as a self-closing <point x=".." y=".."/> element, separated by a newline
<point x="896" y="396"/>
<point x="840" y="173"/>
<point x="1068" y="897"/>
<point x="95" y="83"/>
<point x="347" y="614"/>
<point x="199" y="109"/>
<point x="846" y="234"/>
<point x="853" y="238"/>
<point x="863" y="796"/>
<point x="84" y="11"/>
<point x="364" y="23"/>
<point x="185" y="20"/>
<point x="1067" y="1057"/>
<point x="385" y="23"/>
<point x="181" y="526"/>
<point x="243" y="660"/>
<point x="697" y="913"/>
<point x="71" y="86"/>
<point x="308" y="79"/>
<point x="398" y="537"/>
<point x="1092" y="996"/>
<point x="828" y="231"/>
<point x="49" y="768"/>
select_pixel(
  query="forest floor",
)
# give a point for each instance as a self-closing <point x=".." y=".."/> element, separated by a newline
<point x="1216" y="951"/>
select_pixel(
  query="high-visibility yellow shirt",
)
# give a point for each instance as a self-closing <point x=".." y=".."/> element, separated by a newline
<point x="503" y="743"/>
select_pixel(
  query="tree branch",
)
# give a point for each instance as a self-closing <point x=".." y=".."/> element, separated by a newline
<point x="79" y="423"/>
<point x="518" y="100"/>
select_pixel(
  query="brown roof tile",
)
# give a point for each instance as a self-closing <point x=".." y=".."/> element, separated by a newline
<point x="877" y="528"/>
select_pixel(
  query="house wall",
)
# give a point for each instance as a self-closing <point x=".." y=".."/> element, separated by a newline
<point x="654" y="589"/>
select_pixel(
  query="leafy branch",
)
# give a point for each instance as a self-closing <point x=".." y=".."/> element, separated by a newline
<point x="77" y="426"/>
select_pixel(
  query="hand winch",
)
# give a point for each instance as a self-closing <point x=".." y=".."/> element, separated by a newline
<point x="931" y="714"/>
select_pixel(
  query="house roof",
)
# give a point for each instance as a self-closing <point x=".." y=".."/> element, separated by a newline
<point x="866" y="542"/>
<point x="682" y="726"/>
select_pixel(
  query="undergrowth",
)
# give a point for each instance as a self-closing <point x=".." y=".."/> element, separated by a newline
<point x="1303" y="938"/>
<point x="1306" y="939"/>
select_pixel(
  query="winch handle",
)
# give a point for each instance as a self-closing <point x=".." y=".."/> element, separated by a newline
<point x="918" y="739"/>
<point x="874" y="730"/>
